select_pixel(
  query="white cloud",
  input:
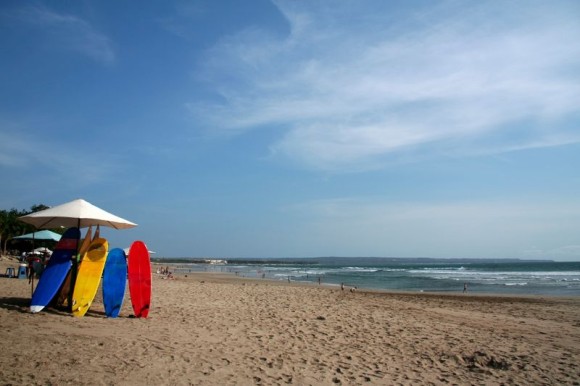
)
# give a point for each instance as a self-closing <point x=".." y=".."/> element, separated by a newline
<point x="351" y="87"/>
<point x="70" y="32"/>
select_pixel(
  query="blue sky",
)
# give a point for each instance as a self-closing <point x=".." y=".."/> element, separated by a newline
<point x="300" y="128"/>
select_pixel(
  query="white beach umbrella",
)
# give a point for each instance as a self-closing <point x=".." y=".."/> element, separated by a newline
<point x="42" y="250"/>
<point x="78" y="213"/>
<point x="126" y="250"/>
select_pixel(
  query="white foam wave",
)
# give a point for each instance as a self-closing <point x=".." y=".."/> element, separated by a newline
<point x="360" y="269"/>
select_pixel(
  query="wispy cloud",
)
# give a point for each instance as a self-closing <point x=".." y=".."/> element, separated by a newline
<point x="566" y="252"/>
<point x="506" y="228"/>
<point x="40" y="161"/>
<point x="181" y="21"/>
<point x="352" y="87"/>
<point x="69" y="32"/>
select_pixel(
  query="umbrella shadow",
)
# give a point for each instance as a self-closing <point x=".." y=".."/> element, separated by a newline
<point x="21" y="305"/>
<point x="64" y="310"/>
<point x="95" y="314"/>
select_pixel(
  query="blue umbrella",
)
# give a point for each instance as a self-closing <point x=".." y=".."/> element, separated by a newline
<point x="40" y="235"/>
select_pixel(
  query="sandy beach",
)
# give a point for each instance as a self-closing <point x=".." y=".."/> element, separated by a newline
<point x="215" y="329"/>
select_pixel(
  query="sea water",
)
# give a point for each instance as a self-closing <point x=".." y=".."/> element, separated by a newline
<point x="417" y="275"/>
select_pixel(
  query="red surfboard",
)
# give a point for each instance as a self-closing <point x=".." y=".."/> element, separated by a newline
<point x="139" y="272"/>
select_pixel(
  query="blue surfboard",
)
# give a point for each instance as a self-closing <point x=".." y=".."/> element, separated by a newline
<point x="56" y="270"/>
<point x="114" y="282"/>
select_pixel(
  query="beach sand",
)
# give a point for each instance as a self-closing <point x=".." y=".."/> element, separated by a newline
<point x="213" y="329"/>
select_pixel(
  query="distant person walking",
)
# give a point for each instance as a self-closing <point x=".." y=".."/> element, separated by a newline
<point x="464" y="287"/>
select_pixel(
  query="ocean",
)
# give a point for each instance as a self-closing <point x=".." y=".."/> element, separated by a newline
<point x="416" y="275"/>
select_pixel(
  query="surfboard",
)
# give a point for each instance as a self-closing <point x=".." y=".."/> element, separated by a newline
<point x="56" y="270"/>
<point x="114" y="282"/>
<point x="89" y="277"/>
<point x="139" y="271"/>
<point x="65" y="287"/>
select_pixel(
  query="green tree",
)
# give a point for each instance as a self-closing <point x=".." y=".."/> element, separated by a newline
<point x="37" y="208"/>
<point x="3" y="226"/>
<point x="10" y="226"/>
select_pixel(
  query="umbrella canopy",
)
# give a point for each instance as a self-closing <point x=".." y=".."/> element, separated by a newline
<point x="77" y="213"/>
<point x="42" y="250"/>
<point x="126" y="250"/>
<point x="40" y="235"/>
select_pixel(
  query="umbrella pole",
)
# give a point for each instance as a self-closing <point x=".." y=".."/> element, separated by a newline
<point x="31" y="273"/>
<point x="73" y="273"/>
<point x="73" y="279"/>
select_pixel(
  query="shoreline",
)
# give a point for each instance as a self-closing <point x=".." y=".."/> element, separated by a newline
<point x="518" y="280"/>
<point x="231" y="276"/>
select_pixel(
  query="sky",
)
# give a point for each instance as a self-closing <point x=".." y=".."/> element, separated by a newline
<point x="447" y="129"/>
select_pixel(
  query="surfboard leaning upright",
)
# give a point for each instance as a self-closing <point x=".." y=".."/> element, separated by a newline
<point x="114" y="282"/>
<point x="65" y="287"/>
<point x="139" y="272"/>
<point x="56" y="270"/>
<point x="89" y="276"/>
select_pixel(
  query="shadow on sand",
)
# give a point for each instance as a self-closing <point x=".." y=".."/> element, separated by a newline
<point x="22" y="305"/>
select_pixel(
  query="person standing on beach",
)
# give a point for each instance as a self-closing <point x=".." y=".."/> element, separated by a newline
<point x="464" y="287"/>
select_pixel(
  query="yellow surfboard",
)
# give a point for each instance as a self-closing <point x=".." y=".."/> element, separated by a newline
<point x="65" y="288"/>
<point x="89" y="276"/>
